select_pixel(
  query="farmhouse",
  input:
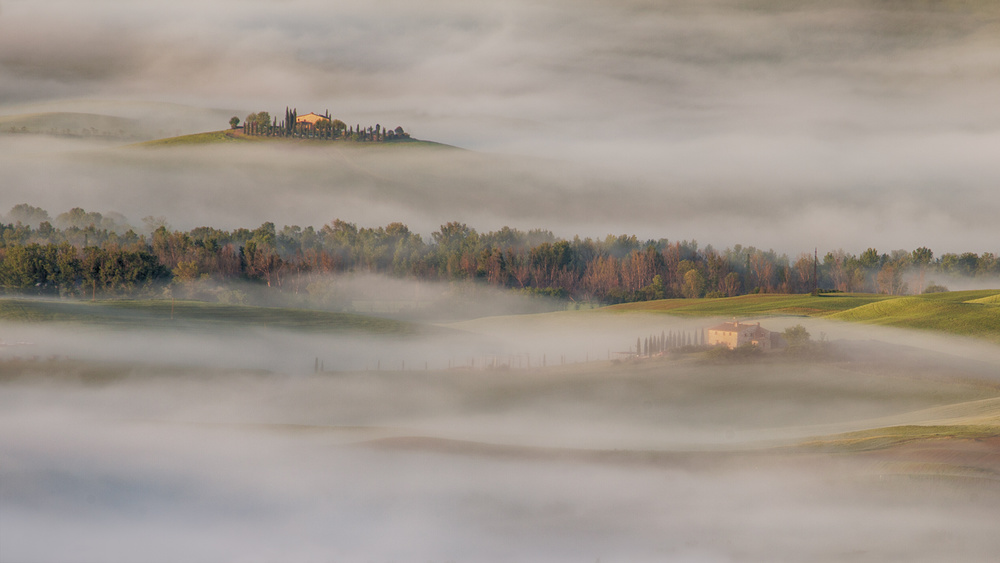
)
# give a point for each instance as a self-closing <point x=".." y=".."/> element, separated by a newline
<point x="736" y="334"/>
<point x="310" y="119"/>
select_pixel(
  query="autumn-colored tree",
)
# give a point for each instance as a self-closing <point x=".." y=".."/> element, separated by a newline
<point x="762" y="271"/>
<point x="803" y="273"/>
<point x="834" y="263"/>
<point x="731" y="284"/>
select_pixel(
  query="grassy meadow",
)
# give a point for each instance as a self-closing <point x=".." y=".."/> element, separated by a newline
<point x="965" y="313"/>
<point x="228" y="136"/>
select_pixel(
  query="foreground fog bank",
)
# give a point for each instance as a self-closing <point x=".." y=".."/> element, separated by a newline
<point x="107" y="494"/>
<point x="215" y="445"/>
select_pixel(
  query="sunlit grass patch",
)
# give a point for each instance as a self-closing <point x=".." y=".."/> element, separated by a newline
<point x="965" y="313"/>
<point x="881" y="438"/>
<point x="212" y="137"/>
<point x="951" y="313"/>
<point x="990" y="300"/>
<point x="755" y="305"/>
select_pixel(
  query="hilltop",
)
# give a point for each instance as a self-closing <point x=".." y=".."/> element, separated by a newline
<point x="163" y="125"/>
<point x="237" y="136"/>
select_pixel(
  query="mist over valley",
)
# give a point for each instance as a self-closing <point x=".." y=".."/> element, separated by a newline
<point x="642" y="281"/>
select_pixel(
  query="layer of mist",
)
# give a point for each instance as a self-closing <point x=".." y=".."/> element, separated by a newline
<point x="849" y="126"/>
<point x="492" y="437"/>
<point x="194" y="445"/>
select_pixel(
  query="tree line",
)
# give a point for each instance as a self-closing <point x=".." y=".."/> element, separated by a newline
<point x="263" y="124"/>
<point x="83" y="253"/>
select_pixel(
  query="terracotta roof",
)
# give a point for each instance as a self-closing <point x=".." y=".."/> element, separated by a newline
<point x="310" y="118"/>
<point x="734" y="326"/>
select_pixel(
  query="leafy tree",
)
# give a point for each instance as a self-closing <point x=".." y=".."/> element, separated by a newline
<point x="27" y="215"/>
<point x="234" y="122"/>
<point x="921" y="259"/>
<point x="655" y="290"/>
<point x="935" y="288"/>
<point x="869" y="259"/>
<point x="890" y="280"/>
<point x="796" y="336"/>
<point x="79" y="218"/>
<point x="731" y="284"/>
<point x="694" y="284"/>
<point x="968" y="263"/>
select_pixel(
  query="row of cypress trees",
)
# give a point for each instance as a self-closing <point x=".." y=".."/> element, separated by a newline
<point x="666" y="341"/>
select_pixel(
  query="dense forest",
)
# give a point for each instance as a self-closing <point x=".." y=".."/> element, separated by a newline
<point x="87" y="254"/>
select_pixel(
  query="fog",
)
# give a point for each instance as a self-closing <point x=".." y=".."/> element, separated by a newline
<point x="492" y="437"/>
<point x="773" y="124"/>
<point x="207" y="443"/>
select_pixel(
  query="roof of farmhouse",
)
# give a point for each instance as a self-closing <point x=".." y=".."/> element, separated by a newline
<point x="733" y="326"/>
<point x="310" y="118"/>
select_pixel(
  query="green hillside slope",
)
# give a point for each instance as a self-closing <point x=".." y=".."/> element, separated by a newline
<point x="211" y="137"/>
<point x="959" y="312"/>
<point x="755" y="305"/>
<point x="966" y="313"/>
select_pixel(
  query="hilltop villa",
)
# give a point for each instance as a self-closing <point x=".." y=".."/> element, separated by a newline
<point x="310" y="118"/>
<point x="735" y="334"/>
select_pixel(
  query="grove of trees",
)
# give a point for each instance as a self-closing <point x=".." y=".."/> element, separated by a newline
<point x="262" y="124"/>
<point x="88" y="254"/>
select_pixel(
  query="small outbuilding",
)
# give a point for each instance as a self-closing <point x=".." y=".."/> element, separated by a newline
<point x="735" y="334"/>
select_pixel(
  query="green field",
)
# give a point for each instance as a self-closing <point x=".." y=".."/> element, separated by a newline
<point x="966" y="313"/>
<point x="882" y="438"/>
<point x="193" y="314"/>
<point x="210" y="138"/>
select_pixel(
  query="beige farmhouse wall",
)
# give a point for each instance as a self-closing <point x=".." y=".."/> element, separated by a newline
<point x="735" y="334"/>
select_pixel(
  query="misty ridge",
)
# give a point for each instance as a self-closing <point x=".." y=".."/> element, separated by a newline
<point x="80" y="253"/>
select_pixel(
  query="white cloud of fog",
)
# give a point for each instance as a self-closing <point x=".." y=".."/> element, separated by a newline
<point x="847" y="125"/>
<point x="210" y="462"/>
<point x="790" y="125"/>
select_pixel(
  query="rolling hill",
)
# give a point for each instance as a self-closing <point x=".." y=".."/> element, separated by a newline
<point x="71" y="124"/>
<point x="966" y="313"/>
<point x="229" y="136"/>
